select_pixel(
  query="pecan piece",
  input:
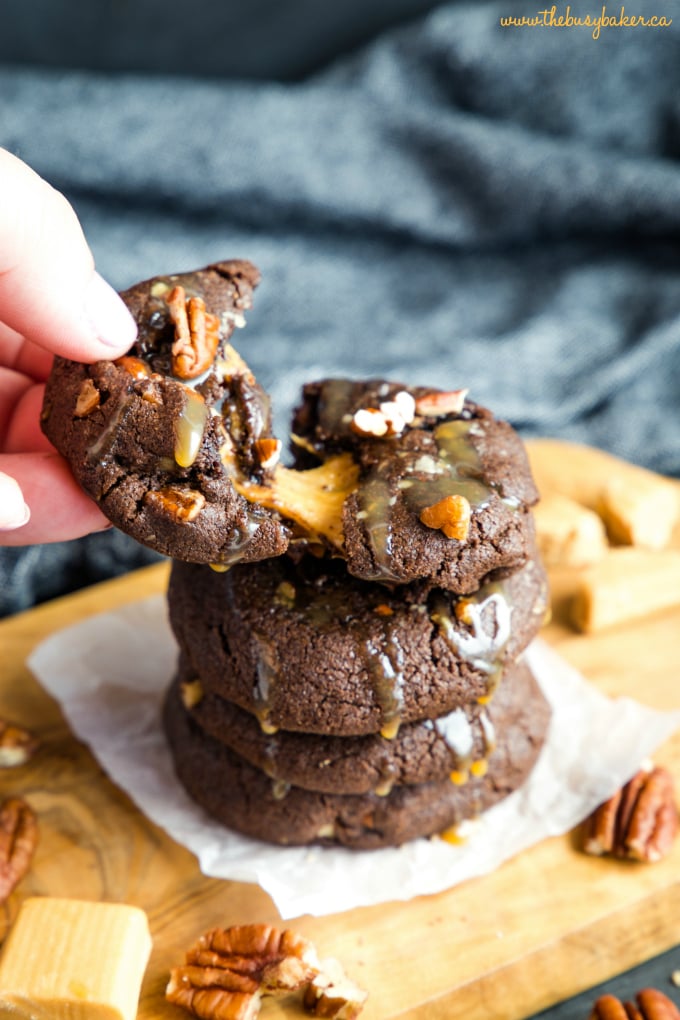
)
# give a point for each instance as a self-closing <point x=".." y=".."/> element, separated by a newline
<point x="369" y="421"/>
<point x="639" y="822"/>
<point x="389" y="419"/>
<point x="651" y="1004"/>
<point x="88" y="398"/>
<point x="439" y="402"/>
<point x="398" y="412"/>
<point x="183" y="504"/>
<point x="17" y="745"/>
<point x="332" y="994"/>
<point x="268" y="452"/>
<point x="135" y="367"/>
<point x="197" y="334"/>
<point x="18" y="840"/>
<point x="450" y="515"/>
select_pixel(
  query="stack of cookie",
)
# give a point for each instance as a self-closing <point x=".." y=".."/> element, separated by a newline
<point x="350" y="628"/>
<point x="373" y="693"/>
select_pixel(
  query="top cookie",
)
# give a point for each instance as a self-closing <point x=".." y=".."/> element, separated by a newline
<point x="162" y="437"/>
<point x="444" y="489"/>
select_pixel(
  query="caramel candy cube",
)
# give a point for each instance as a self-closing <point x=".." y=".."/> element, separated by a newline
<point x="627" y="584"/>
<point x="638" y="507"/>
<point x="568" y="534"/>
<point x="639" y="511"/>
<point x="72" y="960"/>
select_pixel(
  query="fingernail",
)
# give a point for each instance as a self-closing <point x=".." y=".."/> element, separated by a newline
<point x="108" y="316"/>
<point x="12" y="517"/>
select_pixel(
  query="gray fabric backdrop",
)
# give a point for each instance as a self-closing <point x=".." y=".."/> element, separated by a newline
<point x="453" y="203"/>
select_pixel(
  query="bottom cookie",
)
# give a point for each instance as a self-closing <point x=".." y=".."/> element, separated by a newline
<point x="245" y="799"/>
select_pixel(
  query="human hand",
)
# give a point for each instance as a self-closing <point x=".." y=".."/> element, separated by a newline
<point x="51" y="302"/>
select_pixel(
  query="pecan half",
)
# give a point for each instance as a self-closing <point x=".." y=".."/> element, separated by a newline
<point x="197" y="334"/>
<point x="228" y="971"/>
<point x="639" y="822"/>
<point x="18" y="840"/>
<point x="450" y="515"/>
<point x="17" y="745"/>
<point x="650" y="1004"/>
<point x="183" y="504"/>
<point x="608" y="1007"/>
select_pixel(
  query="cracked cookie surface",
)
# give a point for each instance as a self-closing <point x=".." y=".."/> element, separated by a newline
<point x="305" y="647"/>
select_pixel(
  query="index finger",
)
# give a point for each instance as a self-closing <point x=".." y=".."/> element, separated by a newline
<point x="49" y="290"/>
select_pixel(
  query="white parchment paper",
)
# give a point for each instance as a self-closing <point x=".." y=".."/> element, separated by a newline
<point x="109" y="674"/>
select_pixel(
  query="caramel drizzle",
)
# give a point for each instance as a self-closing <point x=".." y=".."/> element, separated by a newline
<point x="426" y="480"/>
<point x="189" y="428"/>
<point x="267" y="678"/>
<point x="239" y="541"/>
<point x="375" y="502"/>
<point x="472" y="641"/>
<point x="454" y="472"/>
<point x="103" y="445"/>
<point x="386" y="670"/>
<point x="457" y="732"/>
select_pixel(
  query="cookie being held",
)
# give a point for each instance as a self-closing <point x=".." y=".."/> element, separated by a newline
<point x="160" y="437"/>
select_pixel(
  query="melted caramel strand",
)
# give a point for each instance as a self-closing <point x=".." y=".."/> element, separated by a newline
<point x="313" y="499"/>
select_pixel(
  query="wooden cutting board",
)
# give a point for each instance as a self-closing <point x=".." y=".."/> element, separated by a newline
<point x="546" y="925"/>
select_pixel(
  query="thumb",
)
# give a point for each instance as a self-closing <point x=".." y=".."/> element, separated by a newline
<point x="49" y="290"/>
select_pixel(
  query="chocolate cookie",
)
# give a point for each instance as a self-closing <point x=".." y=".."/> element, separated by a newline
<point x="244" y="798"/>
<point x="451" y="747"/>
<point x="445" y="489"/>
<point x="306" y="647"/>
<point x="162" y="437"/>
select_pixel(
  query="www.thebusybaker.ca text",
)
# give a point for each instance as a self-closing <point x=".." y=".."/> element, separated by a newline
<point x="550" y="18"/>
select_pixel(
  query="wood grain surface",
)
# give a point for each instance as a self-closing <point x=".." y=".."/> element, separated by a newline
<point x="543" y="927"/>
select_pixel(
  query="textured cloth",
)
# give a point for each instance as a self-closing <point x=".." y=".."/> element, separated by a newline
<point x="456" y="204"/>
